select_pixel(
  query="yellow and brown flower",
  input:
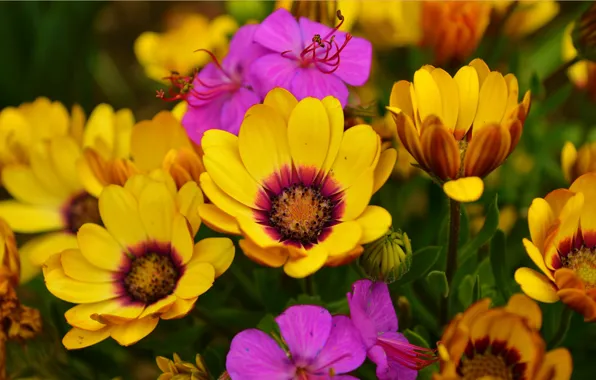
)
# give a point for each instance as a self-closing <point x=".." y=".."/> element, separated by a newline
<point x="563" y="231"/>
<point x="578" y="162"/>
<point x="461" y="128"/>
<point x="500" y="343"/>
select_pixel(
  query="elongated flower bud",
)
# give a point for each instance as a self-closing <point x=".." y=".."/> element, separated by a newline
<point x="584" y="34"/>
<point x="388" y="258"/>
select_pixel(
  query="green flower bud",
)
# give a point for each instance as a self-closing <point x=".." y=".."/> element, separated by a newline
<point x="584" y="35"/>
<point x="388" y="258"/>
<point x="246" y="11"/>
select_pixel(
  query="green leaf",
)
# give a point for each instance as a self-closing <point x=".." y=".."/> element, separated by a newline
<point x="476" y="294"/>
<point x="422" y="261"/>
<point x="498" y="261"/>
<point x="305" y="299"/>
<point x="438" y="283"/>
<point x="465" y="292"/>
<point x="491" y="223"/>
<point x="415" y="339"/>
<point x="267" y="324"/>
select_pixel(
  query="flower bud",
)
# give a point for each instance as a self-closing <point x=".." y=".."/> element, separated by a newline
<point x="10" y="265"/>
<point x="182" y="370"/>
<point x="584" y="34"/>
<point x="388" y="258"/>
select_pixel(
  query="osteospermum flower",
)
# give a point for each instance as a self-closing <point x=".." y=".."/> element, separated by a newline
<point x="48" y="195"/>
<point x="174" y="50"/>
<point x="388" y="24"/>
<point x="563" y="247"/>
<point x="576" y="162"/>
<point x="372" y="313"/>
<point x="309" y="59"/>
<point x="318" y="346"/>
<point x="500" y="343"/>
<point x="461" y="128"/>
<point x="295" y="185"/>
<point x="219" y="95"/>
<point x="453" y="29"/>
<point x="142" y="266"/>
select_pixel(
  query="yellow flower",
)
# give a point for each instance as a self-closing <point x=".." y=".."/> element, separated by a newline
<point x="324" y="11"/>
<point x="459" y="129"/>
<point x="507" y="218"/>
<point x="10" y="265"/>
<point x="453" y="29"/>
<point x="576" y="163"/>
<point x="391" y="23"/>
<point x="295" y="185"/>
<point x="527" y="17"/>
<point x="157" y="143"/>
<point x="563" y="232"/>
<point x="582" y="73"/>
<point x="175" y="50"/>
<point x="500" y="343"/>
<point x="48" y="195"/>
<point x="181" y="370"/>
<point x="21" y="128"/>
<point x="142" y="266"/>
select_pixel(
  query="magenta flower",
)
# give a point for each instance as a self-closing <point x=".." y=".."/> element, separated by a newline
<point x="308" y="58"/>
<point x="319" y="346"/>
<point x="221" y="93"/>
<point x="373" y="315"/>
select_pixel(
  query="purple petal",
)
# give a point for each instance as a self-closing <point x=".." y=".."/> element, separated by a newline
<point x="311" y="82"/>
<point x="273" y="70"/>
<point x="233" y="110"/>
<point x="211" y="76"/>
<point x="199" y="119"/>
<point x="305" y="329"/>
<point x="391" y="355"/>
<point x="344" y="350"/>
<point x="279" y="32"/>
<point x="255" y="355"/>
<point x="371" y="310"/>
<point x="327" y="377"/>
<point x="355" y="59"/>
<point x="243" y="51"/>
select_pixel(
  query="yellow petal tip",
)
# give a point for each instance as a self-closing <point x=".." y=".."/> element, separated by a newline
<point x="467" y="189"/>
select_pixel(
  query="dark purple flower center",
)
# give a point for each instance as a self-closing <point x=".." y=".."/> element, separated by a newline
<point x="151" y="277"/>
<point x="81" y="209"/>
<point x="483" y="358"/>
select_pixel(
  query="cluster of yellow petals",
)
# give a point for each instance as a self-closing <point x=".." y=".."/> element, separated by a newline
<point x="582" y="73"/>
<point x="473" y="340"/>
<point x="576" y="163"/>
<point x="459" y="128"/>
<point x="175" y="49"/>
<point x="563" y="231"/>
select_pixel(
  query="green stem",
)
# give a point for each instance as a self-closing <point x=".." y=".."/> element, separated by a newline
<point x="309" y="285"/>
<point x="564" y="324"/>
<point x="246" y="284"/>
<point x="451" y="265"/>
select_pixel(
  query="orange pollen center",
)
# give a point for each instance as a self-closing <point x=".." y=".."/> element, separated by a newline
<point x="300" y="213"/>
<point x="485" y="365"/>
<point x="82" y="209"/>
<point x="583" y="262"/>
<point x="151" y="278"/>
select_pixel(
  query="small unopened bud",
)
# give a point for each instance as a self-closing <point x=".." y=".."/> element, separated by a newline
<point x="388" y="258"/>
<point x="182" y="370"/>
<point x="584" y="35"/>
<point x="404" y="312"/>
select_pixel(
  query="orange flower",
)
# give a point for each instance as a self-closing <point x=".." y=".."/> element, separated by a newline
<point x="461" y="128"/>
<point x="500" y="343"/>
<point x="563" y="246"/>
<point x="453" y="29"/>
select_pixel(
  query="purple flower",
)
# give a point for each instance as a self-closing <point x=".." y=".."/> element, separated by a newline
<point x="373" y="315"/>
<point x="221" y="93"/>
<point x="308" y="58"/>
<point x="319" y="346"/>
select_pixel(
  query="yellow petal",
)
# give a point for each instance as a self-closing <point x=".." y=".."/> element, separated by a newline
<point x="374" y="222"/>
<point x="37" y="250"/>
<point x="536" y="285"/>
<point x="222" y="200"/>
<point x="282" y="101"/>
<point x="100" y="248"/>
<point x="197" y="279"/>
<point x="537" y="258"/>
<point x="356" y="197"/>
<point x="540" y="220"/>
<point x="120" y="214"/>
<point x="492" y="101"/>
<point x="384" y="168"/>
<point x="263" y="143"/>
<point x="123" y="124"/>
<point x="78" y="338"/>
<point x="556" y="365"/>
<point x="157" y="209"/>
<point x="309" y="134"/>
<point x="343" y="238"/>
<point x="130" y="333"/>
<point x="80" y="315"/>
<point x="64" y="154"/>
<point x="441" y="152"/>
<point x="218" y="220"/>
<point x="428" y="96"/>
<point x="336" y="129"/>
<point x="182" y="241"/>
<point x="527" y="308"/>
<point x="188" y="200"/>
<point x="46" y="172"/>
<point x="487" y="150"/>
<point x="31" y="219"/>
<point x="468" y="90"/>
<point x="260" y="234"/>
<point x="448" y="89"/>
<point x="74" y="291"/>
<point x="88" y="174"/>
<point x="22" y="184"/>
<point x="307" y="265"/>
<point x="219" y="252"/>
<point x="159" y="307"/>
<point x="482" y="70"/>
<point x="400" y="98"/>
<point x="568" y="229"/>
<point x="467" y="189"/>
<point x="77" y="267"/>
<point x="179" y="308"/>
<point x="99" y="130"/>
<point x="512" y="94"/>
<point x="274" y="257"/>
<point x="123" y="314"/>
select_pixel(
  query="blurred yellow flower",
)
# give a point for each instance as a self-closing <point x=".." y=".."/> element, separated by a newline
<point x="577" y="163"/>
<point x="175" y="49"/>
<point x="295" y="185"/>
<point x="582" y="73"/>
<point x="158" y="143"/>
<point x="453" y="29"/>
<point x="508" y="216"/>
<point x="324" y="11"/>
<point x="391" y="23"/>
<point x="48" y="195"/>
<point x="461" y="128"/>
<point x="527" y="16"/>
<point x="141" y="267"/>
